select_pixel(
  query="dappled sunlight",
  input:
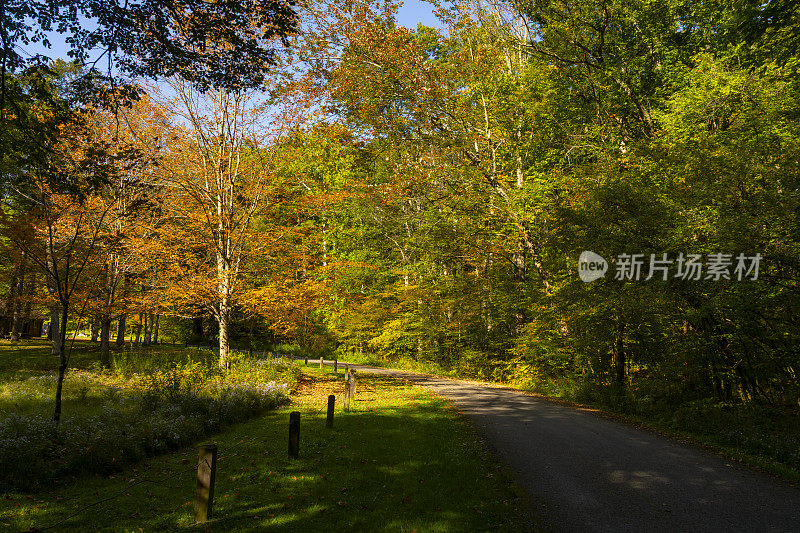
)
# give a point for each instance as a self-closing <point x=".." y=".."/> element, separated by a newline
<point x="636" y="479"/>
<point x="392" y="463"/>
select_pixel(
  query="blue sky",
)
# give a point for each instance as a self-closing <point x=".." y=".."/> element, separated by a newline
<point x="409" y="15"/>
<point x="414" y="11"/>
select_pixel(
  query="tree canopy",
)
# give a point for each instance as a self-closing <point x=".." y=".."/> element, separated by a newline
<point x="423" y="195"/>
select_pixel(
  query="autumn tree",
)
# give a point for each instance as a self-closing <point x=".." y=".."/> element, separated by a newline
<point x="61" y="234"/>
<point x="218" y="176"/>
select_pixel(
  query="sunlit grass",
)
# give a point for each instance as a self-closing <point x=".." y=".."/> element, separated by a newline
<point x="401" y="460"/>
<point x="151" y="401"/>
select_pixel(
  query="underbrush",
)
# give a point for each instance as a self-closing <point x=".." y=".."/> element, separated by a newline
<point x="767" y="436"/>
<point x="142" y="407"/>
<point x="762" y="435"/>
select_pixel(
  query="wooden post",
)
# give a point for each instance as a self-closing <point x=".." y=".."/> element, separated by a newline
<point x="331" y="405"/>
<point x="346" y="396"/>
<point x="320" y="362"/>
<point x="346" y="373"/>
<point x="206" y="471"/>
<point x="306" y="360"/>
<point x="336" y="366"/>
<point x="352" y="384"/>
<point x="294" y="434"/>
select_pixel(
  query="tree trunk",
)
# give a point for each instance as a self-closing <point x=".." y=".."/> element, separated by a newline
<point x="28" y="301"/>
<point x="105" y="335"/>
<point x="148" y="328"/>
<point x="52" y="288"/>
<point x="95" y="328"/>
<point x="62" y="356"/>
<point x="122" y="323"/>
<point x="520" y="266"/>
<point x="16" y="317"/>
<point x="224" y="343"/>
<point x="250" y="337"/>
<point x="197" y="328"/>
<point x="16" y="323"/>
<point x="105" y="317"/>
<point x="155" y="328"/>
<point x="121" y="330"/>
<point x="619" y="357"/>
<point x="520" y="275"/>
<point x="52" y="332"/>
<point x="9" y="305"/>
<point x="224" y="281"/>
<point x="139" y="328"/>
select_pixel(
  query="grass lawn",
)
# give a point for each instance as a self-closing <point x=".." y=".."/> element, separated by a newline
<point x="28" y="374"/>
<point x="400" y="460"/>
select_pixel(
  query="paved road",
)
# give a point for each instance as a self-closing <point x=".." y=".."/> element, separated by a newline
<point x="588" y="473"/>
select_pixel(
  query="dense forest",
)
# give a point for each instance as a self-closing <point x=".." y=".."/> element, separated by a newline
<point x="327" y="177"/>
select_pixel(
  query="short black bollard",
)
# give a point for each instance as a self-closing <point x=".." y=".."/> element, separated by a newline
<point x="331" y="406"/>
<point x="336" y="366"/>
<point x="294" y="434"/>
<point x="306" y="361"/>
<point x="206" y="471"/>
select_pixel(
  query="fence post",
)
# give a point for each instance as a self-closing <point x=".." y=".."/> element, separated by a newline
<point x="294" y="434"/>
<point x="331" y="406"/>
<point x="320" y="362"/>
<point x="206" y="471"/>
<point x="353" y="383"/>
<point x="346" y="395"/>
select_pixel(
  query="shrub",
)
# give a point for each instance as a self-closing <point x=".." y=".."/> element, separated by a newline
<point x="162" y="411"/>
<point x="183" y="379"/>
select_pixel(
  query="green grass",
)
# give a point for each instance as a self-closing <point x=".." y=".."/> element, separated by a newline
<point x="401" y="460"/>
<point x="152" y="401"/>
<point x="27" y="379"/>
<point x="28" y="374"/>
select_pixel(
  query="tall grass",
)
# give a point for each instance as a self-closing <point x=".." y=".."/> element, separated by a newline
<point x="149" y="402"/>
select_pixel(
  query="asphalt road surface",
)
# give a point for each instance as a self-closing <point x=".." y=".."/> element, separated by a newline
<point x="584" y="472"/>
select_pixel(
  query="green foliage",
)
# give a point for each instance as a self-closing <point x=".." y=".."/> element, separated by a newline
<point x="219" y="46"/>
<point x="627" y="127"/>
<point x="171" y="384"/>
<point x="174" y="329"/>
<point x="140" y="360"/>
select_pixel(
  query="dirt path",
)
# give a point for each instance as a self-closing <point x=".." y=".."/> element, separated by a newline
<point x="584" y="472"/>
